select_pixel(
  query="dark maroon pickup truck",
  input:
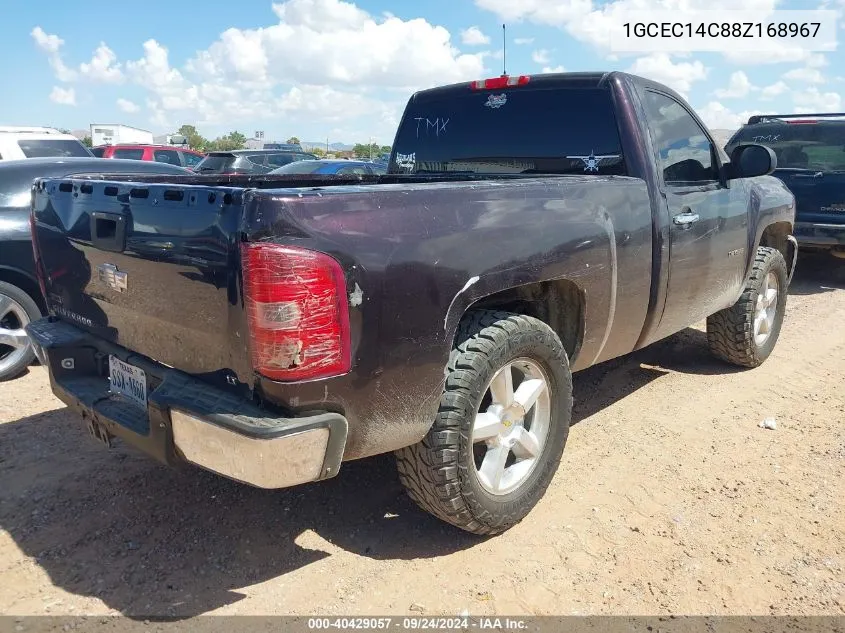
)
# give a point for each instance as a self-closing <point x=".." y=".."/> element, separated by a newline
<point x="270" y="328"/>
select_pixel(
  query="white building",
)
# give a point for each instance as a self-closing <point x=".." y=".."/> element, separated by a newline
<point x="117" y="133"/>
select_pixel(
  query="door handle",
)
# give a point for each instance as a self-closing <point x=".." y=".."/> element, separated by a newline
<point x="686" y="218"/>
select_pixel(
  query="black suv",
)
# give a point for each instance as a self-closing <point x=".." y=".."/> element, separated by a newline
<point x="810" y="149"/>
<point x="248" y="161"/>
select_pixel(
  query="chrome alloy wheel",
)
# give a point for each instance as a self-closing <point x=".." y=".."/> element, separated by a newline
<point x="511" y="426"/>
<point x="14" y="342"/>
<point x="766" y="309"/>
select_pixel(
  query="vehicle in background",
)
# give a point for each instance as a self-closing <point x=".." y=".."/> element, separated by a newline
<point x="810" y="150"/>
<point x="20" y="298"/>
<point x="248" y="161"/>
<point x="18" y="142"/>
<point x="290" y="323"/>
<point x="337" y="166"/>
<point x="181" y="157"/>
<point x="117" y="134"/>
<point x="290" y="147"/>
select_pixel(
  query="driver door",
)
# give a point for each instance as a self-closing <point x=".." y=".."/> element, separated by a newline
<point x="708" y="216"/>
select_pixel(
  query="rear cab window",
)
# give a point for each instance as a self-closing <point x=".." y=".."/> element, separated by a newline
<point x="130" y="154"/>
<point x="523" y="130"/>
<point x="818" y="146"/>
<point x="52" y="148"/>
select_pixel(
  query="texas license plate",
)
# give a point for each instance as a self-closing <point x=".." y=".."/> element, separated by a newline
<point x="128" y="381"/>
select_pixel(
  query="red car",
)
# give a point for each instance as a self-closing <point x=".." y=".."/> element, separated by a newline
<point x="179" y="156"/>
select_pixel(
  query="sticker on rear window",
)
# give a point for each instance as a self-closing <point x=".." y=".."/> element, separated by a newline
<point x="591" y="162"/>
<point x="406" y="161"/>
<point x="496" y="101"/>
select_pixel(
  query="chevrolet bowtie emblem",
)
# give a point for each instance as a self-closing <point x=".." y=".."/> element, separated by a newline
<point x="112" y="277"/>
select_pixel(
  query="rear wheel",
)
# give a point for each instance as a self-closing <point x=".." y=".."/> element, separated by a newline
<point x="501" y="427"/>
<point x="17" y="309"/>
<point x="746" y="333"/>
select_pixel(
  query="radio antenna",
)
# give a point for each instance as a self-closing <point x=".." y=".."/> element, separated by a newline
<point x="504" y="50"/>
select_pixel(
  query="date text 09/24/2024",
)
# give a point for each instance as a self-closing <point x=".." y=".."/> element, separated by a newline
<point x="412" y="623"/>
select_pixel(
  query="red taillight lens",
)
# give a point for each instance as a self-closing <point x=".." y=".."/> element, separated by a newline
<point x="497" y="83"/>
<point x="297" y="312"/>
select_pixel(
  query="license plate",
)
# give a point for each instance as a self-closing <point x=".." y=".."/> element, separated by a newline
<point x="128" y="381"/>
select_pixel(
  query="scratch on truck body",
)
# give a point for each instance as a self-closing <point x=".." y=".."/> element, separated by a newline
<point x="469" y="282"/>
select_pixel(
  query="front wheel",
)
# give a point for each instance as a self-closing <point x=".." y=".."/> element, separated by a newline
<point x="501" y="427"/>
<point x="746" y="333"/>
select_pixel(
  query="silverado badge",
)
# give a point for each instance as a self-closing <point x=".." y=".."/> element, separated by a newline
<point x="112" y="277"/>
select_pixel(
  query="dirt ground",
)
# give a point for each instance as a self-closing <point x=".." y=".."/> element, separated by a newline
<point x="670" y="499"/>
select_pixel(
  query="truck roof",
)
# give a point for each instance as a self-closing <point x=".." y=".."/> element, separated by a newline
<point x="551" y="80"/>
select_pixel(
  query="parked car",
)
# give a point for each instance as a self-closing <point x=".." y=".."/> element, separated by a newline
<point x="437" y="311"/>
<point x="36" y="142"/>
<point x="339" y="167"/>
<point x="248" y="161"/>
<point x="179" y="156"/>
<point x="810" y="149"/>
<point x="20" y="298"/>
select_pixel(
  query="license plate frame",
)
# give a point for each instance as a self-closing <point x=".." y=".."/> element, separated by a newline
<point x="128" y="382"/>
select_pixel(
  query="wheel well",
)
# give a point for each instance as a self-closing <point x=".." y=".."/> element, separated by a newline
<point x="776" y="236"/>
<point x="25" y="283"/>
<point x="558" y="303"/>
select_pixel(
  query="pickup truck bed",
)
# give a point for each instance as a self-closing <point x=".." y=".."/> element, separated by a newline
<point x="268" y="329"/>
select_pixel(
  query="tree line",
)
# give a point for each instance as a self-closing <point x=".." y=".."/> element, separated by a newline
<point x="236" y="140"/>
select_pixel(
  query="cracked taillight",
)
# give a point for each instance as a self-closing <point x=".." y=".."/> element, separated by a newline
<point x="297" y="312"/>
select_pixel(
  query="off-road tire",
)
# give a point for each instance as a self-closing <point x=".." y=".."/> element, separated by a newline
<point x="34" y="313"/>
<point x="730" y="332"/>
<point x="438" y="472"/>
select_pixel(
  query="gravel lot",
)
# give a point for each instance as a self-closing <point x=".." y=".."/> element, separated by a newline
<point x="670" y="499"/>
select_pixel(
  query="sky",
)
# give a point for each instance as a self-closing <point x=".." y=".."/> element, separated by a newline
<point x="319" y="69"/>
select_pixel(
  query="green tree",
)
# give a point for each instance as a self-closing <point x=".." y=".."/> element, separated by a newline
<point x="293" y="140"/>
<point x="385" y="149"/>
<point x="364" y="150"/>
<point x="195" y="139"/>
<point x="86" y="141"/>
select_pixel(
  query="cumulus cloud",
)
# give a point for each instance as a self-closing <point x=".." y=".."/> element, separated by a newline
<point x="660" y="67"/>
<point x="474" y="37"/>
<point x="102" y="67"/>
<point x="128" y="106"/>
<point x="316" y="61"/>
<point x="554" y="69"/>
<point x="812" y="100"/>
<point x="717" y="116"/>
<point x="51" y="44"/>
<point x="738" y="86"/>
<point x="540" y="56"/>
<point x="773" y="90"/>
<point x="63" y="96"/>
<point x="808" y="75"/>
<point x="46" y="42"/>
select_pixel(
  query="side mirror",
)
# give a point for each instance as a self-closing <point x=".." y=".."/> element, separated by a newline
<point x="748" y="161"/>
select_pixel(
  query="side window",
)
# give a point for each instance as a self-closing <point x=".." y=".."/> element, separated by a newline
<point x="356" y="169"/>
<point x="685" y="152"/>
<point x="166" y="156"/>
<point x="191" y="159"/>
